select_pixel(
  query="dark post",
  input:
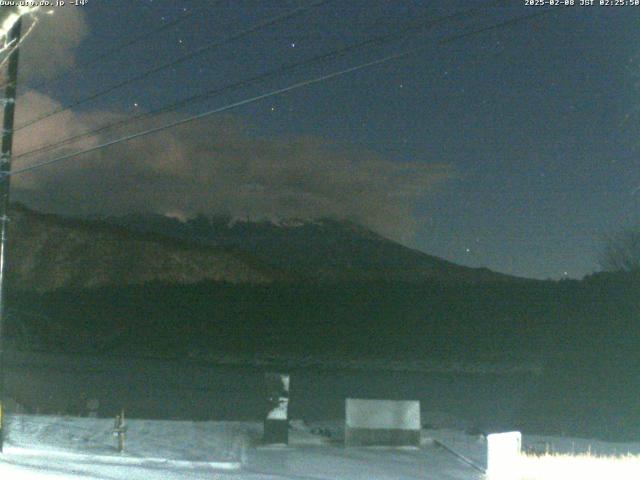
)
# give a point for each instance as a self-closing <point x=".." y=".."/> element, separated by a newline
<point x="5" y="168"/>
<point x="276" y="423"/>
<point x="120" y="431"/>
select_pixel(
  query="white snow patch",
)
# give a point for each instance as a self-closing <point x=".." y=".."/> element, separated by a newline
<point x="280" y="411"/>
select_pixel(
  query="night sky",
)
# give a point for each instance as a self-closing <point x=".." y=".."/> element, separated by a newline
<point x="536" y="124"/>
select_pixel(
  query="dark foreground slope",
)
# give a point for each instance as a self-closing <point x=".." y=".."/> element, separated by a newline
<point x="598" y="316"/>
<point x="584" y="336"/>
<point x="370" y="317"/>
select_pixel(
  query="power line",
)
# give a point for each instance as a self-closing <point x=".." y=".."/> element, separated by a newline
<point x="115" y="49"/>
<point x="217" y="110"/>
<point x="280" y="91"/>
<point x="109" y="51"/>
<point x="417" y="25"/>
<point x="179" y="60"/>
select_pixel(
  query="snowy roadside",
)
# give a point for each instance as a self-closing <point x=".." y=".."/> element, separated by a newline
<point x="73" y="447"/>
<point x="40" y="447"/>
<point x="56" y="447"/>
<point x="148" y="439"/>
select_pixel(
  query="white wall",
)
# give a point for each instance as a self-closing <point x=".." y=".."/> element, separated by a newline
<point x="385" y="414"/>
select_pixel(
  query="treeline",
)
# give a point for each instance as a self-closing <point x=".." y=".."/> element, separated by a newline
<point x="467" y="321"/>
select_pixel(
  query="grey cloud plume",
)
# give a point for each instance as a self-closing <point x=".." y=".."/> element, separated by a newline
<point x="51" y="46"/>
<point x="217" y="167"/>
<point x="211" y="167"/>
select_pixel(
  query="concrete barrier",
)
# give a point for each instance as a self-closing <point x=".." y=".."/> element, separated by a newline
<point x="382" y="423"/>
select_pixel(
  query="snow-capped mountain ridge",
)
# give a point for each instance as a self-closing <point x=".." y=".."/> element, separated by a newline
<point x="324" y="248"/>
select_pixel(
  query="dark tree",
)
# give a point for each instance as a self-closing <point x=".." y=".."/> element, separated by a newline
<point x="622" y="251"/>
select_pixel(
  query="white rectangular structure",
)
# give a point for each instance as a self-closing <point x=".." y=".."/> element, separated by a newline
<point x="503" y="454"/>
<point x="382" y="422"/>
<point x="276" y="423"/>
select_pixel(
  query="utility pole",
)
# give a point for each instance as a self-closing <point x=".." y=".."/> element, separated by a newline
<point x="9" y="101"/>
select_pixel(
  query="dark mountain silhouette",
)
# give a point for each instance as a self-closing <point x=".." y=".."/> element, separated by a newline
<point x="321" y="250"/>
<point x="47" y="252"/>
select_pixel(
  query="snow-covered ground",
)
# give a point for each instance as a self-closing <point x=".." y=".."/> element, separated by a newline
<point x="50" y="447"/>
